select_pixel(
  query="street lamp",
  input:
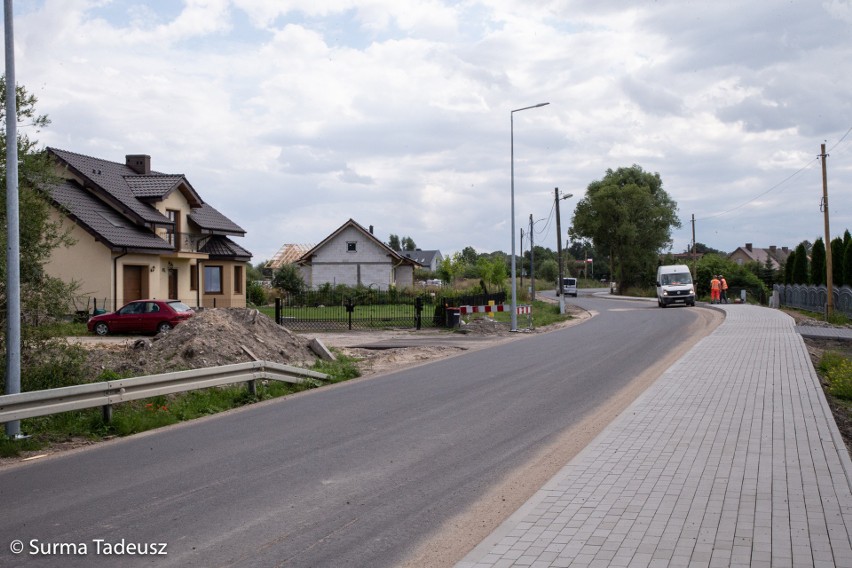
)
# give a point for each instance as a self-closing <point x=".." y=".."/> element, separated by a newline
<point x="559" y="290"/>
<point x="514" y="275"/>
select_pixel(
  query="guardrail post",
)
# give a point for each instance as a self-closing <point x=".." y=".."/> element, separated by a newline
<point x="106" y="412"/>
<point x="252" y="387"/>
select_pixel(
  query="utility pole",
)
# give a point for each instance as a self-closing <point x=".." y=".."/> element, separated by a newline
<point x="532" y="261"/>
<point x="829" y="273"/>
<point x="694" y="252"/>
<point x="13" y="230"/>
<point x="522" y="258"/>
<point x="559" y="290"/>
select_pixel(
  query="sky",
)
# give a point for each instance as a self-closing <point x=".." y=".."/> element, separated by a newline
<point x="293" y="116"/>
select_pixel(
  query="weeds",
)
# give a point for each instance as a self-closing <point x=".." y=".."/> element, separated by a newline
<point x="138" y="416"/>
<point x="837" y="371"/>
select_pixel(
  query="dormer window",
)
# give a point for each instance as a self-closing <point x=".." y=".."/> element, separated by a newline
<point x="351" y="246"/>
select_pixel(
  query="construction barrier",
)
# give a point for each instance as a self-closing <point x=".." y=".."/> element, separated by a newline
<point x="464" y="310"/>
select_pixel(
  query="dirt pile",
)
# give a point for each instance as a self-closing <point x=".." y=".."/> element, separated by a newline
<point x="212" y="337"/>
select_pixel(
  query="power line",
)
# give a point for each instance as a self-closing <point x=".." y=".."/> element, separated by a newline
<point x="777" y="185"/>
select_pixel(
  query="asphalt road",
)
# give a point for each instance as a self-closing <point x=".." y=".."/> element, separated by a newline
<point x="350" y="475"/>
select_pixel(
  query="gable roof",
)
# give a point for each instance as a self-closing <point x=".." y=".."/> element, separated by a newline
<point x="306" y="257"/>
<point x="103" y="222"/>
<point x="288" y="254"/>
<point x="130" y="192"/>
<point x="776" y="255"/>
<point x="424" y="257"/>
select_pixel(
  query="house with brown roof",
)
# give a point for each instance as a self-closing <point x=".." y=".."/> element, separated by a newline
<point x="139" y="233"/>
<point x="353" y="256"/>
<point x="776" y="256"/>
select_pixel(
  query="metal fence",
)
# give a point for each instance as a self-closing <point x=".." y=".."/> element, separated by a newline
<point x="371" y="309"/>
<point x="814" y="298"/>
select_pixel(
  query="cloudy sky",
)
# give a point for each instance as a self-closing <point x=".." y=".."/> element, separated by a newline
<point x="292" y="116"/>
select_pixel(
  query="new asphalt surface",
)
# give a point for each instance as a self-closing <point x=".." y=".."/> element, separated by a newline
<point x="732" y="458"/>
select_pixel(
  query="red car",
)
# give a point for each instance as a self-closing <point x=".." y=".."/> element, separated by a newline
<point x="142" y="316"/>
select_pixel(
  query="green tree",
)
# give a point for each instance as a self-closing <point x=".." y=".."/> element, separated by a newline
<point x="629" y="215"/>
<point x="800" y="266"/>
<point x="847" y="264"/>
<point x="818" y="263"/>
<point x="788" y="267"/>
<point x="469" y="255"/>
<point x="42" y="296"/>
<point x="393" y="243"/>
<point x="548" y="271"/>
<point x="492" y="271"/>
<point x="408" y="244"/>
<point x="289" y="279"/>
<point x="451" y="268"/>
<point x="737" y="276"/>
<point x="837" y="250"/>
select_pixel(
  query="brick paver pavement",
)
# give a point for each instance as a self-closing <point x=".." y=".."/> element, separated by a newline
<point x="732" y="458"/>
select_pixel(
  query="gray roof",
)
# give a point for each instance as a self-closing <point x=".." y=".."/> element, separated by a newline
<point x="109" y="180"/>
<point x="424" y="257"/>
<point x="105" y="224"/>
<point x="119" y="197"/>
<point x="209" y="219"/>
<point x="220" y="247"/>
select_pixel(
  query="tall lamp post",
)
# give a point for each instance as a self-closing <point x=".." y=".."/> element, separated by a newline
<point x="514" y="270"/>
<point x="559" y="289"/>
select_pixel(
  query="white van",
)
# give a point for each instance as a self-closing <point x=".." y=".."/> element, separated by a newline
<point x="674" y="285"/>
<point x="569" y="287"/>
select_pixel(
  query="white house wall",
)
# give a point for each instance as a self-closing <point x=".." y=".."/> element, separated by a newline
<point x="368" y="265"/>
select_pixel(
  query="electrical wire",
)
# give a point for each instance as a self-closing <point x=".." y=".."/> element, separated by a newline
<point x="780" y="183"/>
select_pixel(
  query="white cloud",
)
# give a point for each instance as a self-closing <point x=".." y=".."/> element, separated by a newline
<point x="292" y="116"/>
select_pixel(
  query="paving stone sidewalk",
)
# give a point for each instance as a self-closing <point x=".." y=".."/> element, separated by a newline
<point x="732" y="458"/>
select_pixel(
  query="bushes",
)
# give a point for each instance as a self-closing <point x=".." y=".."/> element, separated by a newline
<point x="837" y="371"/>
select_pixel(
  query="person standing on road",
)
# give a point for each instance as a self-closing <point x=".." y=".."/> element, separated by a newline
<point x="715" y="289"/>
<point x="724" y="288"/>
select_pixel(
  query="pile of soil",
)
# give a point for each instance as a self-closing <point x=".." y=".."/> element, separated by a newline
<point x="212" y="337"/>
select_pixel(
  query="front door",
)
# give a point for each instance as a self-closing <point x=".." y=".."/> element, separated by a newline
<point x="173" y="284"/>
<point x="132" y="283"/>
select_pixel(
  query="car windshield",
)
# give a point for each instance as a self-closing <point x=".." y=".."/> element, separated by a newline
<point x="679" y="279"/>
<point x="179" y="307"/>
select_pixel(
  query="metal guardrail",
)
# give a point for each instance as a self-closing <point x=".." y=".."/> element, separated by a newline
<point x="107" y="393"/>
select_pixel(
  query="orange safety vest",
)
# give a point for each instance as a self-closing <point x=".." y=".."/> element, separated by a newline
<point x="724" y="284"/>
<point x="715" y="284"/>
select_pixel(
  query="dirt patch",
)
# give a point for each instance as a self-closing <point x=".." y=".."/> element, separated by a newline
<point x="210" y="338"/>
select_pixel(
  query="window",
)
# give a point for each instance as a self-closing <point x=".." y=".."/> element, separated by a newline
<point x="173" y="232"/>
<point x="351" y="246"/>
<point x="212" y="279"/>
<point x="193" y="277"/>
<point x="238" y="280"/>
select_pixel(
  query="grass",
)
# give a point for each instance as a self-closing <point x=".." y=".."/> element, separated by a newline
<point x="139" y="416"/>
<point x="837" y="370"/>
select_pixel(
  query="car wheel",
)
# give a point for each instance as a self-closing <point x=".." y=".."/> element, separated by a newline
<point x="163" y="327"/>
<point x="101" y="328"/>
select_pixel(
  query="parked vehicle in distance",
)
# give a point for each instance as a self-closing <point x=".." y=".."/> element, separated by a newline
<point x="569" y="287"/>
<point x="141" y="316"/>
<point x="674" y="285"/>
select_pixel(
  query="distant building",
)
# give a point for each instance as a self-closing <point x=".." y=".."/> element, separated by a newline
<point x="353" y="256"/>
<point x="430" y="259"/>
<point x="287" y="254"/>
<point x="777" y="256"/>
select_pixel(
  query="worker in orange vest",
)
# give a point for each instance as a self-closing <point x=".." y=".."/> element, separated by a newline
<point x="724" y="288"/>
<point x="715" y="289"/>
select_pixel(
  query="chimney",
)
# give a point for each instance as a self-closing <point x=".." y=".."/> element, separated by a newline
<point x="785" y="249"/>
<point x="772" y="248"/>
<point x="139" y="163"/>
<point x="748" y="247"/>
<point x="371" y="229"/>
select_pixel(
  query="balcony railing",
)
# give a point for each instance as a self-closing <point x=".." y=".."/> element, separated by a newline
<point x="184" y="242"/>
